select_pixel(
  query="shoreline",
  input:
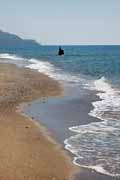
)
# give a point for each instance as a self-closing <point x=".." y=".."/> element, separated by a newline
<point x="21" y="158"/>
<point x="52" y="109"/>
<point x="49" y="136"/>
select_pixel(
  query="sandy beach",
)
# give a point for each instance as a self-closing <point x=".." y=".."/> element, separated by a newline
<point x="25" y="151"/>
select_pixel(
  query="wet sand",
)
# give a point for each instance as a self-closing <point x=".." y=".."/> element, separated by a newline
<point x="60" y="113"/>
<point x="25" y="151"/>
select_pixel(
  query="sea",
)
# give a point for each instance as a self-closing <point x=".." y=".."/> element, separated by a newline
<point x="95" y="145"/>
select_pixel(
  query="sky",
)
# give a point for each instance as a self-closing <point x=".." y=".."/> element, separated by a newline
<point x="69" y="22"/>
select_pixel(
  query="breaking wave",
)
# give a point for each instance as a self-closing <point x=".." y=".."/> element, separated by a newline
<point x="97" y="145"/>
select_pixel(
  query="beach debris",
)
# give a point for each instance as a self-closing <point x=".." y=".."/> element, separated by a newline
<point x="26" y="127"/>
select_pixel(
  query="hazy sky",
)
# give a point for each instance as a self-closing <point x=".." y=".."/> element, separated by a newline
<point x="63" y="21"/>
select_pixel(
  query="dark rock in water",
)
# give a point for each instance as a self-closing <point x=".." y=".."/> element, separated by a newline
<point x="61" y="51"/>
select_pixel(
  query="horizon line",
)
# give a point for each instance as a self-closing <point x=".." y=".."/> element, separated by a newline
<point x="80" y="44"/>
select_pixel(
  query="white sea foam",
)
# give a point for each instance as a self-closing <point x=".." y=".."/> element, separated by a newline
<point x="53" y="72"/>
<point x="10" y="56"/>
<point x="97" y="145"/>
<point x="98" y="167"/>
<point x="110" y="99"/>
<point x="13" y="59"/>
<point x="43" y="67"/>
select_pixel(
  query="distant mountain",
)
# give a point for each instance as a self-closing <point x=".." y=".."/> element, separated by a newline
<point x="8" y="40"/>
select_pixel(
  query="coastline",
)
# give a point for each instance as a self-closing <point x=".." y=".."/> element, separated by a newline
<point x="26" y="148"/>
<point x="27" y="123"/>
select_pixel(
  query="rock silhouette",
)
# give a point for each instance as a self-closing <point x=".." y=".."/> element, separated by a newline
<point x="61" y="51"/>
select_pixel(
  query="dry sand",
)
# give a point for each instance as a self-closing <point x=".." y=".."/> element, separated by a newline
<point x="25" y="152"/>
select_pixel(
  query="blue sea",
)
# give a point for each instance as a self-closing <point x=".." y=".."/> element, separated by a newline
<point x="95" y="68"/>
